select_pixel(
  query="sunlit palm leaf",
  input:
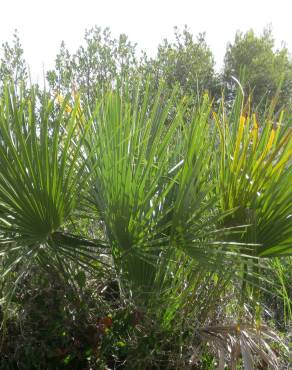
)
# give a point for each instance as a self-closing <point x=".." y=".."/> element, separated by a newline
<point x="41" y="181"/>
<point x="255" y="177"/>
<point x="153" y="186"/>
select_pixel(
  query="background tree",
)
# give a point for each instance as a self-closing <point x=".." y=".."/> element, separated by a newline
<point x="265" y="69"/>
<point x="95" y="65"/>
<point x="12" y="63"/>
<point x="61" y="78"/>
<point x="186" y="61"/>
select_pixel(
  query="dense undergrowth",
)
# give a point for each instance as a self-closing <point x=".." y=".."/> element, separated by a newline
<point x="144" y="233"/>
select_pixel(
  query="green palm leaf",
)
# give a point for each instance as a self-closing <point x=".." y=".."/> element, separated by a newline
<point x="42" y="180"/>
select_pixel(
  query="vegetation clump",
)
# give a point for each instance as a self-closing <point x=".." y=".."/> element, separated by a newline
<point x="142" y="227"/>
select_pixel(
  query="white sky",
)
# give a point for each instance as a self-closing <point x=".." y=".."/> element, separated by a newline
<point x="43" y="24"/>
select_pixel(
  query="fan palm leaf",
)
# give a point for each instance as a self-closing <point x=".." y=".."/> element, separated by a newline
<point x="41" y="182"/>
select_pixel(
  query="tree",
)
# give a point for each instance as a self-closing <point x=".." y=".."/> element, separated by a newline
<point x="61" y="78"/>
<point x="187" y="62"/>
<point x="95" y="65"/>
<point x="12" y="63"/>
<point x="264" y="70"/>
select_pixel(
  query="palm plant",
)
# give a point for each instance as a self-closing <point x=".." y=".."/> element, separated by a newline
<point x="153" y="187"/>
<point x="254" y="177"/>
<point x="42" y="180"/>
<point x="186" y="216"/>
<point x="156" y="190"/>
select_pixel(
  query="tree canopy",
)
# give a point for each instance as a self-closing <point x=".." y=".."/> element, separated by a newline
<point x="263" y="71"/>
<point x="185" y="61"/>
<point x="188" y="62"/>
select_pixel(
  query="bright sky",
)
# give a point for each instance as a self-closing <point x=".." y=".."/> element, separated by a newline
<point x="43" y="24"/>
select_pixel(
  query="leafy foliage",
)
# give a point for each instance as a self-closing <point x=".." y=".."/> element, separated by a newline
<point x="186" y="62"/>
<point x="12" y="64"/>
<point x="151" y="222"/>
<point x="94" y="66"/>
<point x="265" y="70"/>
<point x="42" y="178"/>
